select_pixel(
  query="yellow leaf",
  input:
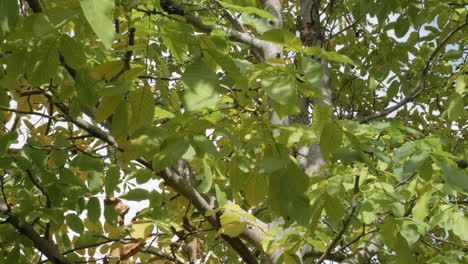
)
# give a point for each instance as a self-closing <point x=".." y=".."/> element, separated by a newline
<point x="421" y="208"/>
<point x="230" y="224"/>
<point x="232" y="207"/>
<point x="460" y="85"/>
<point x="233" y="230"/>
<point x="107" y="70"/>
<point x="288" y="259"/>
<point x="229" y="218"/>
<point x="141" y="230"/>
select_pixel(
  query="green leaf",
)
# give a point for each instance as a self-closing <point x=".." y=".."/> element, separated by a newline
<point x="443" y="218"/>
<point x="87" y="238"/>
<point x="110" y="215"/>
<point x="87" y="163"/>
<point x="312" y="71"/>
<point x="460" y="226"/>
<point x="107" y="107"/>
<point x="60" y="155"/>
<point x="460" y="85"/>
<point x="260" y="24"/>
<point x="75" y="223"/>
<point x="94" y="209"/>
<point x="281" y="88"/>
<point x="205" y="185"/>
<point x="455" y="108"/>
<point x="32" y="215"/>
<point x="415" y="162"/>
<point x="220" y="195"/>
<point x="389" y="232"/>
<point x="86" y="88"/>
<point x="100" y="16"/>
<point x="403" y="152"/>
<point x="247" y="9"/>
<point x="229" y="66"/>
<point x="142" y="175"/>
<point x="112" y="180"/>
<point x="328" y="55"/>
<point x="68" y="177"/>
<point x="256" y="189"/>
<point x="120" y="122"/>
<point x="200" y="83"/>
<point x="170" y="153"/>
<point x="409" y="230"/>
<point x="7" y="162"/>
<point x="321" y="117"/>
<point x="453" y="177"/>
<point x="6" y="139"/>
<point x="287" y="194"/>
<point x="14" y="255"/>
<point x="334" y="207"/>
<point x="142" y="104"/>
<point x="38" y="157"/>
<point x="401" y="26"/>
<point x="316" y="212"/>
<point x="8" y="15"/>
<point x="271" y="164"/>
<point x="72" y="52"/>
<point x="137" y="194"/>
<point x="421" y="208"/>
<point x="107" y="70"/>
<point x="367" y="211"/>
<point x="95" y="181"/>
<point x="284" y="38"/>
<point x="425" y="171"/>
<point x="44" y="62"/>
<point x="331" y="139"/>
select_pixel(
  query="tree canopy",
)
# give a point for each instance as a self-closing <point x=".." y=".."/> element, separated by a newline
<point x="242" y="131"/>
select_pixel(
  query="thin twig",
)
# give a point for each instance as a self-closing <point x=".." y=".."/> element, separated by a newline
<point x="447" y="241"/>
<point x="158" y="78"/>
<point x="416" y="90"/>
<point x="29" y="113"/>
<point x="356" y="239"/>
<point x="343" y="229"/>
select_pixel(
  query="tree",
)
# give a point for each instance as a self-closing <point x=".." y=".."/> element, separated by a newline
<point x="255" y="131"/>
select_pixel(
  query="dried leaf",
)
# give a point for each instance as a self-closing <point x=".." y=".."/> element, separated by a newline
<point x="194" y="249"/>
<point x="126" y="251"/>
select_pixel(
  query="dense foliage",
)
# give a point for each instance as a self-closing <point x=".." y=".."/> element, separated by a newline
<point x="242" y="131"/>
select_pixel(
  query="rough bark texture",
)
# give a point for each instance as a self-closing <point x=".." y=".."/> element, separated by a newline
<point x="309" y="157"/>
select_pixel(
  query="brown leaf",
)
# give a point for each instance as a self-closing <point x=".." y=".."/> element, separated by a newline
<point x="122" y="210"/>
<point x="194" y="249"/>
<point x="127" y="250"/>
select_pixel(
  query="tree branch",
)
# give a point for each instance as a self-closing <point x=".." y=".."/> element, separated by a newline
<point x="172" y="179"/>
<point x="235" y="35"/>
<point x="337" y="238"/>
<point x="46" y="247"/>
